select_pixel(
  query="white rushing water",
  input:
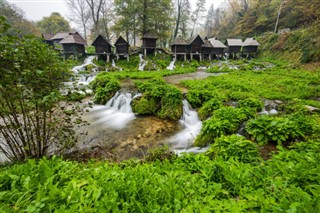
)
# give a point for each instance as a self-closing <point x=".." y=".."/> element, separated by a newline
<point x="171" y="65"/>
<point x="117" y="113"/>
<point x="142" y="63"/>
<point x="86" y="62"/>
<point x="183" y="140"/>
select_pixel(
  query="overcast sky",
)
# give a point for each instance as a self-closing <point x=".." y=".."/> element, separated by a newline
<point x="37" y="9"/>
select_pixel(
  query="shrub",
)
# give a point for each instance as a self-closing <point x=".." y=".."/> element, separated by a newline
<point x="208" y="107"/>
<point x="224" y="121"/>
<point x="252" y="103"/>
<point x="161" y="154"/>
<point x="165" y="100"/>
<point x="104" y="88"/>
<point x="234" y="147"/>
<point x="144" y="106"/>
<point x="294" y="127"/>
<point x="197" y="97"/>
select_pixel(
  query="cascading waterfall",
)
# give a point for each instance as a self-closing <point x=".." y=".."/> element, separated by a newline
<point x="183" y="141"/>
<point x="171" y="65"/>
<point x="86" y="62"/>
<point x="142" y="63"/>
<point x="117" y="113"/>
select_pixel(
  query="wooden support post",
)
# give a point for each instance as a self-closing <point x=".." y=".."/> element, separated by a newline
<point x="108" y="58"/>
<point x="145" y="52"/>
<point x="209" y="57"/>
<point x="185" y="57"/>
<point x="200" y="57"/>
<point x="155" y="52"/>
<point x="127" y="57"/>
<point x="191" y="56"/>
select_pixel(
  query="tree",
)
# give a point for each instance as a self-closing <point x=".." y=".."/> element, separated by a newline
<point x="15" y="17"/>
<point x="95" y="11"/>
<point x="80" y="14"/>
<point x="182" y="7"/>
<point x="34" y="120"/>
<point x="209" y="24"/>
<point x="198" y="14"/>
<point x="54" y="23"/>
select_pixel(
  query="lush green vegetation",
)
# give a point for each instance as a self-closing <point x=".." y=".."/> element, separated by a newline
<point x="225" y="181"/>
<point x="159" y="98"/>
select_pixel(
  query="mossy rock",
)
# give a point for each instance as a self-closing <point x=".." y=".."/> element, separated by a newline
<point x="143" y="106"/>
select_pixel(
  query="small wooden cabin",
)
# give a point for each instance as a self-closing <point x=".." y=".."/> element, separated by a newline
<point x="207" y="49"/>
<point x="179" y="47"/>
<point x="149" y="43"/>
<point x="250" y="45"/>
<point x="194" y="45"/>
<point x="47" y="38"/>
<point x="57" y="38"/>
<point x="217" y="47"/>
<point x="103" y="47"/>
<point x="234" y="46"/>
<point x="122" y="48"/>
<point x="73" y="44"/>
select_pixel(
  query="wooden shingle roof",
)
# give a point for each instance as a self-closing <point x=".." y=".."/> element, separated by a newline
<point x="121" y="41"/>
<point x="192" y="38"/>
<point x="179" y="41"/>
<point x="216" y="43"/>
<point x="103" y="38"/>
<point x="234" y="42"/>
<point x="59" y="36"/>
<point x="150" y="36"/>
<point x="73" y="38"/>
<point x="251" y="42"/>
<point x="47" y="36"/>
<point x="207" y="43"/>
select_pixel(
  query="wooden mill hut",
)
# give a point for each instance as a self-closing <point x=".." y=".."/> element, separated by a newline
<point x="149" y="43"/>
<point x="234" y="46"/>
<point x="207" y="49"/>
<point x="250" y="45"/>
<point x="217" y="47"/>
<point x="57" y="38"/>
<point x="194" y="45"/>
<point x="122" y="48"/>
<point x="47" y="38"/>
<point x="73" y="44"/>
<point x="179" y="47"/>
<point x="103" y="47"/>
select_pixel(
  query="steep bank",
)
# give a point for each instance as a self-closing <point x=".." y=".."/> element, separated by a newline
<point x="296" y="46"/>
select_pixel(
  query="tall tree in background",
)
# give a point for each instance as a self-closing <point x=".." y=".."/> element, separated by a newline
<point x="80" y="14"/>
<point x="181" y="6"/>
<point x="209" y="24"/>
<point x="107" y="17"/>
<point x="144" y="16"/>
<point x="95" y="11"/>
<point x="54" y="23"/>
<point x="198" y="14"/>
<point x="127" y="13"/>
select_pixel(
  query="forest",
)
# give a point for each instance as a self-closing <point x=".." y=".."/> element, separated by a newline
<point x="221" y="135"/>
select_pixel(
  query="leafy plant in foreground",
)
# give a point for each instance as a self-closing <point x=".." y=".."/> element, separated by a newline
<point x="234" y="147"/>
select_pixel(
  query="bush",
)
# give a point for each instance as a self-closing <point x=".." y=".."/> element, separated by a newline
<point x="104" y="88"/>
<point x="197" y="97"/>
<point x="252" y="103"/>
<point x="290" y="128"/>
<point x="161" y="154"/>
<point x="165" y="100"/>
<point x="144" y="106"/>
<point x="208" y="107"/>
<point x="234" y="147"/>
<point x="224" y="121"/>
